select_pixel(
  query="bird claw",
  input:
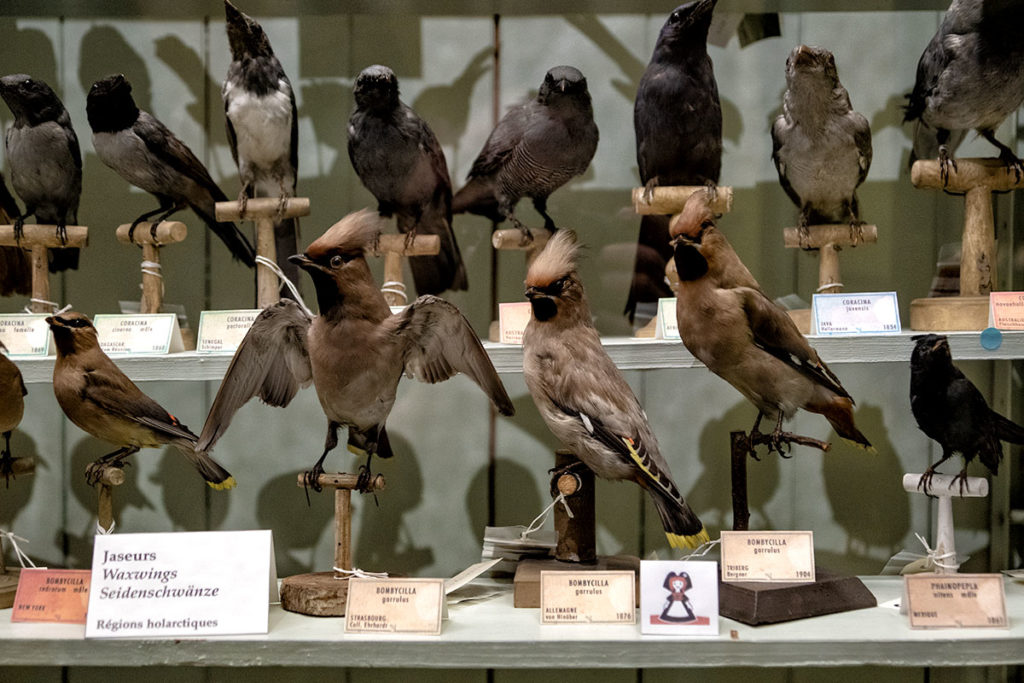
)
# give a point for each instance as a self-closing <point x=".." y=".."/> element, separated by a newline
<point x="962" y="478"/>
<point x="527" y="235"/>
<point x="364" y="480"/>
<point x="243" y="202"/>
<point x="6" y="467"/>
<point x="1012" y="162"/>
<point x="94" y="471"/>
<point x="62" y="233"/>
<point x="648" y="194"/>
<point x="19" y="229"/>
<point x="282" y="205"/>
<point x="856" y="232"/>
<point x="313" y="478"/>
<point x="945" y="162"/>
<point x="924" y="484"/>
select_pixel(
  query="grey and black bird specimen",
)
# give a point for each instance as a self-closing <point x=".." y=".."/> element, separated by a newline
<point x="583" y="397"/>
<point x="355" y="351"/>
<point x="15" y="267"/>
<point x="262" y="125"/>
<point x="399" y="160"/>
<point x="12" y="407"/>
<point x="44" y="158"/>
<point x="970" y="76"/>
<point x="536" y="148"/>
<point x="950" y="409"/>
<point x="677" y="117"/>
<point x="148" y="155"/>
<point x="820" y="146"/>
<point x="101" y="400"/>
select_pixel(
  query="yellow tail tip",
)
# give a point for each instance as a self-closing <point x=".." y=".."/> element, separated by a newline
<point x="862" y="446"/>
<point x="688" y="542"/>
<point x="228" y="483"/>
<point x="355" y="449"/>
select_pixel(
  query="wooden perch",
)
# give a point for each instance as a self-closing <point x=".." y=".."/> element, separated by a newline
<point x="828" y="239"/>
<point x="37" y="239"/>
<point x="394" y="247"/>
<point x="671" y="200"/>
<point x="341" y="480"/>
<point x="166" y="232"/>
<point x="108" y="478"/>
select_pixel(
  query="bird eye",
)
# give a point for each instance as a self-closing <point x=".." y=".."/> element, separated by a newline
<point x="676" y="17"/>
<point x="336" y="261"/>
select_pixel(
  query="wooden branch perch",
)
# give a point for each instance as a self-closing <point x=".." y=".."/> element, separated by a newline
<point x="671" y="200"/>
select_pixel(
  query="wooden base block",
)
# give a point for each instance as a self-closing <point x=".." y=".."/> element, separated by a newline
<point x="318" y="594"/>
<point x="946" y="314"/>
<point x="802" y="318"/>
<point x="8" y="587"/>
<point x="527" y="581"/>
<point x="772" y="603"/>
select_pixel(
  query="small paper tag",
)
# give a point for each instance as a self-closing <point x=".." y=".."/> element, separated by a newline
<point x="679" y="597"/>
<point x="150" y="334"/>
<point x="512" y="320"/>
<point x="956" y="601"/>
<point x="194" y="583"/>
<point x="52" y="595"/>
<point x="394" y="606"/>
<point x="223" y="331"/>
<point x="1006" y="310"/>
<point x="859" y="313"/>
<point x="668" y="328"/>
<point x="599" y="597"/>
<point x="25" y="334"/>
<point x="468" y="574"/>
<point x="768" y="556"/>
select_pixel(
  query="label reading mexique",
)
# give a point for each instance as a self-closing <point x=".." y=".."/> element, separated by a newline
<point x="588" y="597"/>
<point x="769" y="556"/>
<point x="956" y="600"/>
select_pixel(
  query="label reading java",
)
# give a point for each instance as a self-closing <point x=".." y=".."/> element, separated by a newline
<point x="857" y="313"/>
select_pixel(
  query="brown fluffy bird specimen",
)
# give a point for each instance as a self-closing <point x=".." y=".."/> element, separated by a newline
<point x="730" y="325"/>
<point x="12" y="407"/>
<point x="355" y="351"/>
<point x="101" y="400"/>
<point x="583" y="397"/>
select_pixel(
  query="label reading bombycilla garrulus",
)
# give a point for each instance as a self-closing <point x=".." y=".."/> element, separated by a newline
<point x="587" y="597"/>
<point x="394" y="606"/>
<point x="768" y="556"/>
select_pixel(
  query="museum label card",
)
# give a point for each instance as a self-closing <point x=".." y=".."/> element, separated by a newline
<point x="52" y="595"/>
<point x="148" y="334"/>
<point x="512" y="320"/>
<point x="394" y="606"/>
<point x="25" y="334"/>
<point x="668" y="326"/>
<point x="768" y="556"/>
<point x="1006" y="310"/>
<point x="956" y="600"/>
<point x="858" y="313"/>
<point x="679" y="597"/>
<point x="223" y="331"/>
<point x="599" y="597"/>
<point x="198" y="583"/>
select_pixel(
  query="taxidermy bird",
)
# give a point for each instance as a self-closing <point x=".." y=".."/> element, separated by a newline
<point x="354" y="352"/>
<point x="950" y="409"/>
<point x="536" y="148"/>
<point x="12" y="407"/>
<point x="101" y="400"/>
<point x="583" y="397"/>
<point x="820" y="146"/>
<point x="970" y="75"/>
<point x="262" y="126"/>
<point x="148" y="155"/>
<point x="730" y="325"/>
<point x="400" y="161"/>
<point x="45" y="161"/>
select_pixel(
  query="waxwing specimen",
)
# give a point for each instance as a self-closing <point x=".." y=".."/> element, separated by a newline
<point x="101" y="400"/>
<point x="583" y="397"/>
<point x="820" y="146"/>
<point x="971" y="75"/>
<point x="355" y="351"/>
<point x="12" y="407"/>
<point x="536" y="148"/>
<point x="951" y="410"/>
<point x="728" y="323"/>
<point x="400" y="161"/>
<point x="45" y="162"/>
<point x="677" y="118"/>
<point x="148" y="155"/>
<point x="262" y="125"/>
<point x="15" y="267"/>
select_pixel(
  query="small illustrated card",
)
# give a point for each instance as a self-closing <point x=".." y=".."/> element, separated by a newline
<point x="768" y="556"/>
<point x="394" y="606"/>
<point x="25" y="334"/>
<point x="197" y="583"/>
<point x="597" y="597"/>
<point x="223" y="331"/>
<point x="955" y="600"/>
<point x="512" y="320"/>
<point x="1006" y="311"/>
<point x="679" y="597"/>
<point x="140" y="335"/>
<point x="52" y="595"/>
<point x="668" y="328"/>
<point x="850" y="314"/>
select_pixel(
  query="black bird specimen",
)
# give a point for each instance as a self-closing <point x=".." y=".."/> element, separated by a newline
<point x="399" y="160"/>
<point x="820" y="146"/>
<point x="950" y="409"/>
<point x="355" y="351"/>
<point x="12" y="407"/>
<point x="677" y="118"/>
<point x="148" y="155"/>
<point x="45" y="161"/>
<point x="262" y="126"/>
<point x="536" y="148"/>
<point x="15" y="267"/>
<point x="971" y="75"/>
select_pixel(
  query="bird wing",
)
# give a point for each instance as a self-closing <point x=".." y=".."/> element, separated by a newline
<point x="112" y="392"/>
<point x="779" y="130"/>
<point x="862" y="140"/>
<point x="503" y="139"/>
<point x="293" y="156"/>
<point x="272" y="362"/>
<point x="438" y="342"/>
<point x="166" y="147"/>
<point x="229" y="127"/>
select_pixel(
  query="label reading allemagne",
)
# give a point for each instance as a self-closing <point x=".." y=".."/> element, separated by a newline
<point x="956" y="601"/>
<point x="768" y="556"/>
<point x="394" y="606"/>
<point x="602" y="597"/>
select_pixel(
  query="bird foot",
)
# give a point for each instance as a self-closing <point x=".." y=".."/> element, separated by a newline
<point x="925" y="482"/>
<point x="313" y="478"/>
<point x="945" y="162"/>
<point x="6" y="467"/>
<point x="62" y="233"/>
<point x="282" y="204"/>
<point x="19" y="229"/>
<point x="1012" y="162"/>
<point x="527" y="235"/>
<point x="364" y="480"/>
<point x="648" y="194"/>
<point x="410" y="237"/>
<point x="243" y="202"/>
<point x="962" y="478"/>
<point x="94" y="472"/>
<point x="803" y="232"/>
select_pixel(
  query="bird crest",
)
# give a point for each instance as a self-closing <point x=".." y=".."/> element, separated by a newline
<point x="557" y="260"/>
<point x="356" y="232"/>
<point x="695" y="217"/>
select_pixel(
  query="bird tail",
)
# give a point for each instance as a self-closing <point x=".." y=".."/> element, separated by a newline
<point x="652" y="254"/>
<point x="682" y="526"/>
<point x="240" y="246"/>
<point x="439" y="272"/>
<point x="478" y="197"/>
<point x="216" y="476"/>
<point x="1007" y="430"/>
<point x="373" y="440"/>
<point x="286" y="242"/>
<point x="839" y="413"/>
<point x="15" y="272"/>
<point x="63" y="259"/>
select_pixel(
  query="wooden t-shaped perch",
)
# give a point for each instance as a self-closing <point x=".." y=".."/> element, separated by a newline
<point x="828" y="240"/>
<point x="37" y="239"/>
<point x="151" y="238"/>
<point x="394" y="247"/>
<point x="670" y="200"/>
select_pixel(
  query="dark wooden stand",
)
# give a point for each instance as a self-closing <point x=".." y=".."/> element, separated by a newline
<point x="36" y="239"/>
<point x="9" y="576"/>
<point x="109" y="478"/>
<point x="324" y="594"/>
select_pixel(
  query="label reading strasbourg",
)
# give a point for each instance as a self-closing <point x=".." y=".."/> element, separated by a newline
<point x="394" y="606"/>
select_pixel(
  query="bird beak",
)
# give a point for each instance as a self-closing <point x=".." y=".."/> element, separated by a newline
<point x="306" y="263"/>
<point x="563" y="85"/>
<point x="532" y="293"/>
<point x="51" y="321"/>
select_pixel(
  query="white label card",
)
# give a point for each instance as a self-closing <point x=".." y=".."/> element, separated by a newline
<point x="768" y="556"/>
<point x="668" y="327"/>
<point x="512" y="320"/>
<point x="856" y="313"/>
<point x="196" y="583"/>
<point x="25" y="334"/>
<point x="223" y="331"/>
<point x="394" y="606"/>
<point x="597" y="597"/>
<point x="956" y="600"/>
<point x="679" y="597"/>
<point x="140" y="335"/>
